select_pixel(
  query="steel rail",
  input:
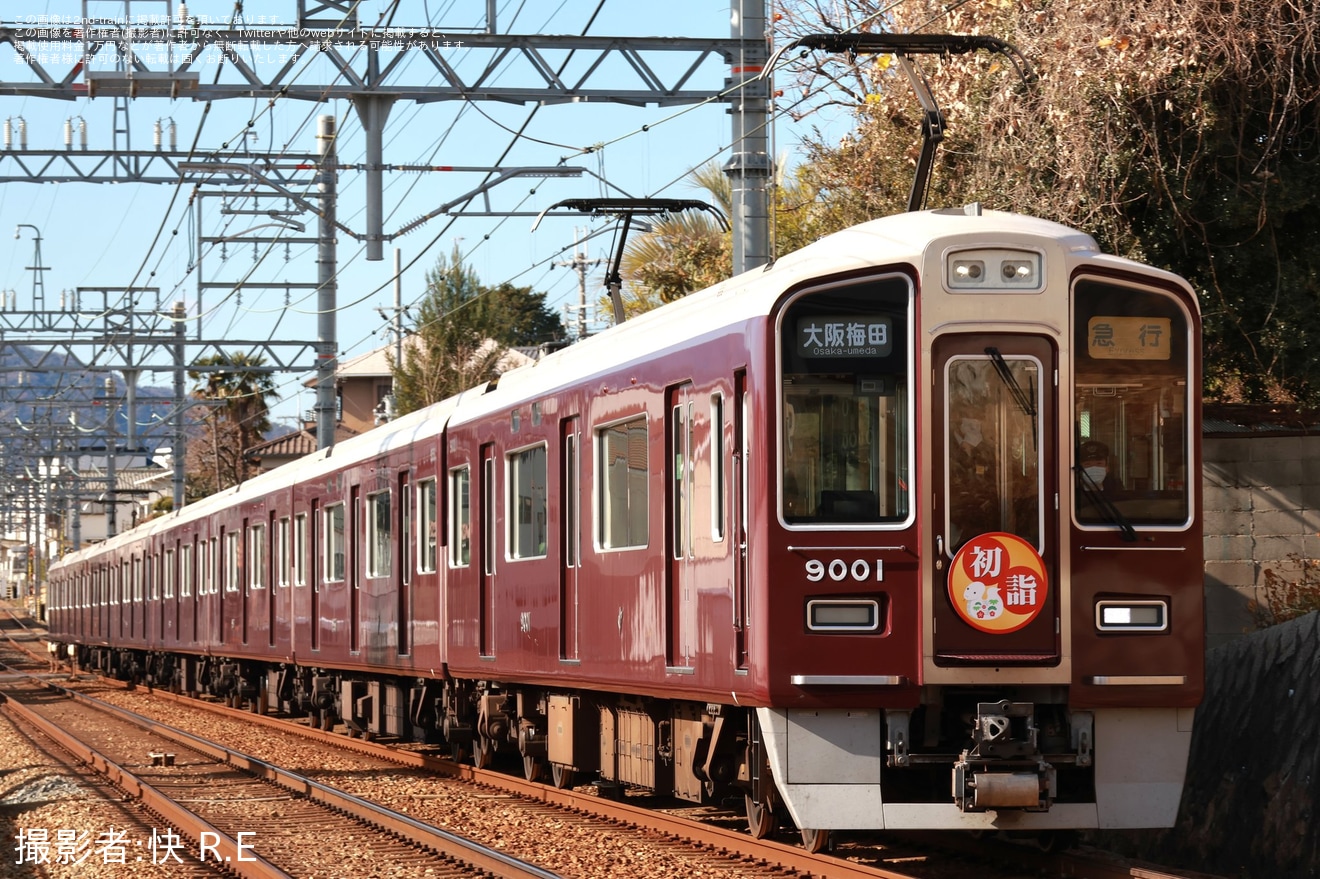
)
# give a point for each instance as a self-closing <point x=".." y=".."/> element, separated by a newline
<point x="490" y="861"/>
<point x="186" y="823"/>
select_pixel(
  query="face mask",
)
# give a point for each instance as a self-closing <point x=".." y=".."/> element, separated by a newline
<point x="1095" y="474"/>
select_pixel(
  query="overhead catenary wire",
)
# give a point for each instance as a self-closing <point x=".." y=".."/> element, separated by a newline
<point x="595" y="148"/>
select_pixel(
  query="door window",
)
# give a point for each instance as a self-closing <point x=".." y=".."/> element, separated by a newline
<point x="992" y="425"/>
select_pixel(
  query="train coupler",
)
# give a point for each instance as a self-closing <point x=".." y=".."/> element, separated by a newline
<point x="979" y="786"/>
<point x="1003" y="769"/>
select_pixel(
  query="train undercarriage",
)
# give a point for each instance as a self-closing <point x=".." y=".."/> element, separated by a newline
<point x="967" y="752"/>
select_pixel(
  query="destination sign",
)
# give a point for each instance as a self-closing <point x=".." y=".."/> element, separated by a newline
<point x="845" y="336"/>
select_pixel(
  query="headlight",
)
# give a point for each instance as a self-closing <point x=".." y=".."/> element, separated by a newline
<point x="840" y="615"/>
<point x="988" y="270"/>
<point x="1115" y="615"/>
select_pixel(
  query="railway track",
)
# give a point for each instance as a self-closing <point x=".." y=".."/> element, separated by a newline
<point x="254" y="820"/>
<point x="547" y="825"/>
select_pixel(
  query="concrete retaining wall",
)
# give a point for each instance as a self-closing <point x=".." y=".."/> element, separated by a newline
<point x="1262" y="524"/>
<point x="1253" y="776"/>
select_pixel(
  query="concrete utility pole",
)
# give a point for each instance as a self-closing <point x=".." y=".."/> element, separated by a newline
<point x="180" y="416"/>
<point x="579" y="263"/>
<point x="751" y="167"/>
<point x="111" y="455"/>
<point x="326" y="331"/>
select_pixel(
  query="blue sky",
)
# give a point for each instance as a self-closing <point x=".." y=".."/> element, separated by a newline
<point x="102" y="235"/>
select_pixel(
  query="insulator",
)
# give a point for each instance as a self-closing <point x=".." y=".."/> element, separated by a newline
<point x="82" y="131"/>
<point x="183" y="15"/>
<point x="156" y="135"/>
<point x="174" y="137"/>
<point x="22" y="133"/>
<point x="68" y="133"/>
<point x="9" y="134"/>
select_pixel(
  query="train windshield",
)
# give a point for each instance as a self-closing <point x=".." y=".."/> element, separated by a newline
<point x="844" y="406"/>
<point x="1130" y="407"/>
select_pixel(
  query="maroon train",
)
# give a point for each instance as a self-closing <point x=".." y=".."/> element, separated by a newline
<point x="901" y="532"/>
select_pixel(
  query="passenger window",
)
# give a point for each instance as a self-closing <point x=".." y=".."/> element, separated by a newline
<point x="186" y="571"/>
<point x="334" y="543"/>
<point x="460" y="519"/>
<point x="379" y="534"/>
<point x="300" y="549"/>
<point x="257" y="557"/>
<point x="282" y="553"/>
<point x="232" y="561"/>
<point x="528" y="527"/>
<point x="622" y="475"/>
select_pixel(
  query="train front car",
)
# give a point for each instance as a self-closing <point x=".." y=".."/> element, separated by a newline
<point x="983" y="559"/>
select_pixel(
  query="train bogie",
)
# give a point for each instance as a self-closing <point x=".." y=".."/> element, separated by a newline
<point x="900" y="532"/>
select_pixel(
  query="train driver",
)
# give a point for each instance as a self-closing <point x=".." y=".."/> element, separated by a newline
<point x="1094" y="458"/>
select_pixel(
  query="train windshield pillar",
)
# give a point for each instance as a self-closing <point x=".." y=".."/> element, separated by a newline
<point x="844" y="406"/>
<point x="1130" y="408"/>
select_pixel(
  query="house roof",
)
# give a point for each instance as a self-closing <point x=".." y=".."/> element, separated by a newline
<point x="129" y="479"/>
<point x="295" y="444"/>
<point x="375" y="364"/>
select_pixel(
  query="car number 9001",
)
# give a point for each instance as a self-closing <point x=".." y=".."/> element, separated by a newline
<point x="838" y="570"/>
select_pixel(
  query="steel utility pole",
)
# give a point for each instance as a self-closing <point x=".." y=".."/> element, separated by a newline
<point x="627" y="70"/>
<point x="751" y="167"/>
<point x="38" y="280"/>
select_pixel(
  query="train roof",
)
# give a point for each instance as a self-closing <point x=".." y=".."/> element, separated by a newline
<point x="894" y="240"/>
<point x="403" y="432"/>
<point x="888" y="241"/>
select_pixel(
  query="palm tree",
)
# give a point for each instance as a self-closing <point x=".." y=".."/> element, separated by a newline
<point x="236" y="389"/>
<point x="689" y="251"/>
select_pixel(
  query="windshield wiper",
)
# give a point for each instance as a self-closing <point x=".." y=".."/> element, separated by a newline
<point x="1096" y="495"/>
<point x="1026" y="402"/>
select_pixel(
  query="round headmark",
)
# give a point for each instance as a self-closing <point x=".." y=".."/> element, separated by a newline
<point x="997" y="583"/>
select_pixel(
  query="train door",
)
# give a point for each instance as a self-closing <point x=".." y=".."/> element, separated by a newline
<point x="680" y="586"/>
<point x="353" y="568"/>
<point x="570" y="526"/>
<point x="137" y="619"/>
<point x="277" y="570"/>
<point x="188" y="589"/>
<point x="245" y="574"/>
<point x="740" y="513"/>
<point x="317" y="572"/>
<point x="996" y="535"/>
<point x="299" y="576"/>
<point x="169" y="592"/>
<point x="403" y="564"/>
<point x="486" y="606"/>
